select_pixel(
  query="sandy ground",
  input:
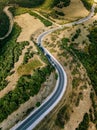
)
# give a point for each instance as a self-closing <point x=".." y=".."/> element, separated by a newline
<point x="29" y="25"/>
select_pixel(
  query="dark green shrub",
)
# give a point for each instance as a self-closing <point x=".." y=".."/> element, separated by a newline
<point x="84" y="124"/>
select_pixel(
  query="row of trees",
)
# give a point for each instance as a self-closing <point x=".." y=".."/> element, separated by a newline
<point x="4" y="24"/>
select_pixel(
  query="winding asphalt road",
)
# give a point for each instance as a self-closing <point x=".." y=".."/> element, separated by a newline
<point x="10" y="16"/>
<point x="36" y="116"/>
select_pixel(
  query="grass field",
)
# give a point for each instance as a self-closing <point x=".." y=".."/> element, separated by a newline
<point x="29" y="67"/>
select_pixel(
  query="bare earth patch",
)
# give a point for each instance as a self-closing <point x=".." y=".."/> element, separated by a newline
<point x="29" y="25"/>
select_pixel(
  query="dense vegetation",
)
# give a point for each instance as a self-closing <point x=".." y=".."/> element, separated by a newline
<point x="88" y="3"/>
<point x="60" y="3"/>
<point x="4" y="24"/>
<point x="27" y="86"/>
<point x="8" y="54"/>
<point x="4" y="21"/>
<point x="23" y="3"/>
<point x="27" y="3"/>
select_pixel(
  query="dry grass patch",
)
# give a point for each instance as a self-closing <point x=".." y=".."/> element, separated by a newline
<point x="29" y="67"/>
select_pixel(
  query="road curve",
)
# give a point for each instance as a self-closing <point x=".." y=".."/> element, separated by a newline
<point x="36" y="116"/>
<point x="10" y="16"/>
